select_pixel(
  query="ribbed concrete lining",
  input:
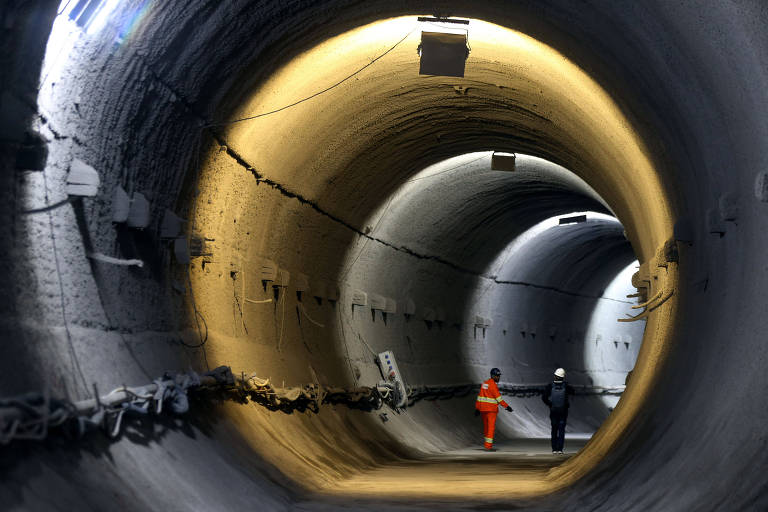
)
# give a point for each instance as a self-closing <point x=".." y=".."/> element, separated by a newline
<point x="486" y="201"/>
<point x="299" y="189"/>
<point x="692" y="81"/>
<point x="474" y="213"/>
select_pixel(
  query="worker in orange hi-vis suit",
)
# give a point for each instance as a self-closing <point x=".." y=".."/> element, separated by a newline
<point x="487" y="405"/>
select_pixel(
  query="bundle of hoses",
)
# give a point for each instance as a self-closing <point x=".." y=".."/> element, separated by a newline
<point x="517" y="390"/>
<point x="34" y="416"/>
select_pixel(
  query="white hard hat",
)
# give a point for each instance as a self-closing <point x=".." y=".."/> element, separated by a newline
<point x="560" y="373"/>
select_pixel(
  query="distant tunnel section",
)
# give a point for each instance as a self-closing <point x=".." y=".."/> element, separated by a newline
<point x="497" y="280"/>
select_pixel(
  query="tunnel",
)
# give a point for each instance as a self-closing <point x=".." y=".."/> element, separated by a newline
<point x="274" y="188"/>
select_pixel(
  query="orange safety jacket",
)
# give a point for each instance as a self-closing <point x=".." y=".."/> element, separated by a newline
<point x="489" y="398"/>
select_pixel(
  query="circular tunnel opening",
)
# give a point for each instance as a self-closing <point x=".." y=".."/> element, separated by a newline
<point x="322" y="233"/>
<point x="291" y="196"/>
<point x="524" y="281"/>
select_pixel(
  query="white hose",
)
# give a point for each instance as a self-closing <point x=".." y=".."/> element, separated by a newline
<point x="114" y="261"/>
<point x="265" y="301"/>
<point x="304" y="312"/>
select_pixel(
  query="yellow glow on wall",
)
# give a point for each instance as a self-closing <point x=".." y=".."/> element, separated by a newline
<point x="317" y="149"/>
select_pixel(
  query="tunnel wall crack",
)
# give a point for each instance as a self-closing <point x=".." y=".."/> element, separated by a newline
<point x="286" y="192"/>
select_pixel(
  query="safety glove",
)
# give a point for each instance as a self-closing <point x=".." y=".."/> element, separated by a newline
<point x="509" y="409"/>
<point x="477" y="413"/>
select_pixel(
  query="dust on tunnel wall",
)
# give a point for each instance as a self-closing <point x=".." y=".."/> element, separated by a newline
<point x="695" y="75"/>
<point x="119" y="168"/>
<point x="297" y="187"/>
<point x="474" y="211"/>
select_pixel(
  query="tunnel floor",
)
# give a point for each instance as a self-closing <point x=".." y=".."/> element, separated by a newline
<point x="517" y="468"/>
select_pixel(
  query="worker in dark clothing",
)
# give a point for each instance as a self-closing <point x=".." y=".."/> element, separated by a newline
<point x="556" y="397"/>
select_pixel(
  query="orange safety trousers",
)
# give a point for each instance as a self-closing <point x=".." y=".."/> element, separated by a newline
<point x="489" y="426"/>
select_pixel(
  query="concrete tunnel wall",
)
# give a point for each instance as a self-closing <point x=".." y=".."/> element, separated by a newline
<point x="691" y="79"/>
<point x="473" y="208"/>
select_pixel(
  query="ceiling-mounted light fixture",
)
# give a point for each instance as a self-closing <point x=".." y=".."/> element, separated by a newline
<point x="576" y="219"/>
<point x="443" y="53"/>
<point x="503" y="162"/>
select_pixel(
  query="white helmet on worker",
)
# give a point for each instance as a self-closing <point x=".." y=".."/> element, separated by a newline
<point x="560" y="373"/>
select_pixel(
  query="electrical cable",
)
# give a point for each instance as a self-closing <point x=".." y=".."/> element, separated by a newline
<point x="203" y="340"/>
<point x="263" y="114"/>
<point x="193" y="223"/>
<point x="72" y="352"/>
<point x="346" y="347"/>
<point x="447" y="170"/>
<point x="50" y="207"/>
<point x="282" y="322"/>
<point x="368" y="239"/>
<point x="367" y="345"/>
<point x="304" y="312"/>
<point x="64" y="8"/>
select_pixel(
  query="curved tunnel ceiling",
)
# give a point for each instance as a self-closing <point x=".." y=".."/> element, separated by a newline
<point x="346" y="151"/>
<point x="517" y="94"/>
<point x="583" y="257"/>
<point x="685" y="85"/>
<point x="474" y="211"/>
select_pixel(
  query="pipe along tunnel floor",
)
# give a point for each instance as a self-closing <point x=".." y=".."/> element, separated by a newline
<point x="515" y="468"/>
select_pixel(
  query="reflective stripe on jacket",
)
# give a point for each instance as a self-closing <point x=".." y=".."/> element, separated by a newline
<point x="489" y="398"/>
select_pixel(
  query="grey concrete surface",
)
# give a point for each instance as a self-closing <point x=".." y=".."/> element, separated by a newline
<point x="689" y="76"/>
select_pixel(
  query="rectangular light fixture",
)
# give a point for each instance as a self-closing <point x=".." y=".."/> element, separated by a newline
<point x="443" y="54"/>
<point x="436" y="19"/>
<point x="503" y="162"/>
<point x="573" y="220"/>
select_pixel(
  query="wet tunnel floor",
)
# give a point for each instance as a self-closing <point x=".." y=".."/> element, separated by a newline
<point x="518" y="468"/>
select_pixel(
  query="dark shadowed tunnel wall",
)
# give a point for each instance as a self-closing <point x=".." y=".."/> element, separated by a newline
<point x="656" y="107"/>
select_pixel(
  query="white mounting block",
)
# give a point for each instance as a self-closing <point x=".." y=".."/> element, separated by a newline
<point x="268" y="270"/>
<point x="283" y="278"/>
<point x="393" y="377"/>
<point x="302" y="282"/>
<point x="359" y="298"/>
<point x="83" y="180"/>
<point x="377" y="301"/>
<point x="121" y="205"/>
<point x="138" y="214"/>
<point x="410" y="307"/>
